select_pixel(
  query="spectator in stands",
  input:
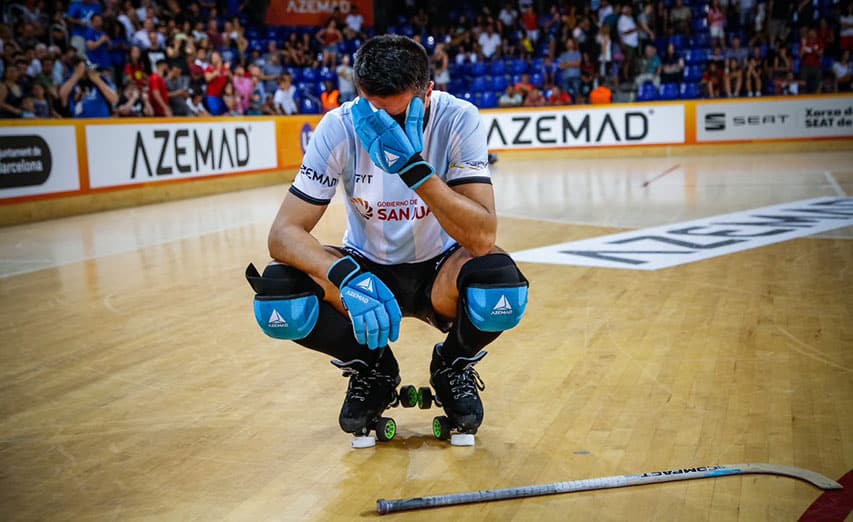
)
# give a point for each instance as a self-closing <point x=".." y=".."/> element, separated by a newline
<point x="650" y="67"/>
<point x="607" y="69"/>
<point x="231" y="100"/>
<point x="178" y="88"/>
<point x="523" y="87"/>
<point x="629" y="41"/>
<point x="511" y="98"/>
<point x="284" y="100"/>
<point x="672" y="66"/>
<point x="842" y="71"/>
<point x="717" y="22"/>
<point x="733" y="78"/>
<point x="345" y="83"/>
<point x="440" y="64"/>
<point x="508" y="17"/>
<point x="41" y="104"/>
<point x="605" y="10"/>
<point x="534" y="98"/>
<point x="712" y="80"/>
<point x="589" y="77"/>
<point x="559" y="97"/>
<point x="781" y="68"/>
<point x="570" y="65"/>
<point x="490" y="42"/>
<point x="78" y="17"/>
<point x="330" y="97"/>
<point x="754" y="73"/>
<point x="847" y="29"/>
<point x="217" y="75"/>
<point x="826" y="35"/>
<point x="737" y="52"/>
<point x="780" y="17"/>
<point x="158" y="91"/>
<point x="747" y="14"/>
<point x="530" y="24"/>
<point x="601" y="95"/>
<point x="355" y="21"/>
<point x="11" y="93"/>
<point x="329" y="38"/>
<point x="87" y="93"/>
<point x="133" y="102"/>
<point x="680" y="18"/>
<point x="97" y="43"/>
<point x="645" y="24"/>
<point x="195" y="103"/>
<point x="811" y="56"/>
<point x="156" y="52"/>
<point x="242" y="88"/>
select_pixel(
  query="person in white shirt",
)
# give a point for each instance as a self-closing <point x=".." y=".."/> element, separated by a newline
<point x="354" y="20"/>
<point x="508" y="16"/>
<point x="284" y="99"/>
<point x="412" y="164"/>
<point x="489" y="41"/>
<point x="345" y="85"/>
<point x="630" y="39"/>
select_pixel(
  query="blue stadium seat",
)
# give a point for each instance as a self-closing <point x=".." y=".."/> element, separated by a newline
<point x="702" y="39"/>
<point x="519" y="66"/>
<point x="647" y="92"/>
<point x="691" y="91"/>
<point x="537" y="79"/>
<point x="295" y="73"/>
<point x="669" y="91"/>
<point x="478" y="69"/>
<point x="498" y="68"/>
<point x="693" y="73"/>
<point x="489" y="100"/>
<point x="479" y="84"/>
<point x="515" y="78"/>
<point x="310" y="75"/>
<point x="327" y="74"/>
<point x="467" y="96"/>
<point x="678" y="41"/>
<point x="499" y="83"/>
<point x="456" y="86"/>
<point x="308" y="105"/>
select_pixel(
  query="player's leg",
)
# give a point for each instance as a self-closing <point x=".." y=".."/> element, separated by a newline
<point x="290" y="305"/>
<point x="484" y="296"/>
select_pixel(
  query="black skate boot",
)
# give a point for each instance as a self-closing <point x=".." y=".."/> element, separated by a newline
<point x="456" y="386"/>
<point x="371" y="390"/>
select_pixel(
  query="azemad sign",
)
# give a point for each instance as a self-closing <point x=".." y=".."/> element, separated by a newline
<point x="37" y="160"/>
<point x="671" y="245"/>
<point x="634" y="125"/>
<point x="130" y="154"/>
<point x="789" y="118"/>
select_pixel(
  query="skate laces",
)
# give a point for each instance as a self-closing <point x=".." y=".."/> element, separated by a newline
<point x="361" y="382"/>
<point x="464" y="382"/>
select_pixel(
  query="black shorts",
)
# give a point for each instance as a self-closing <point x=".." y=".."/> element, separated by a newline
<point x="411" y="284"/>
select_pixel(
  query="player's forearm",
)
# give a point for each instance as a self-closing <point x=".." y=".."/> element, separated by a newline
<point x="293" y="246"/>
<point x="468" y="222"/>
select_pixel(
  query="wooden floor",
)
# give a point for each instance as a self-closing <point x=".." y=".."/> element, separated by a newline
<point x="134" y="383"/>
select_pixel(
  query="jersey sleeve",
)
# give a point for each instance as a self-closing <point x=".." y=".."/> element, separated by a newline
<point x="469" y="155"/>
<point x="321" y="165"/>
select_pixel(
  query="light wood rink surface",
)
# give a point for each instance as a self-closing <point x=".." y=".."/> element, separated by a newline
<point x="135" y="384"/>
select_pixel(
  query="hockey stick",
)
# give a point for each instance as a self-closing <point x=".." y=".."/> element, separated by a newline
<point x="390" y="506"/>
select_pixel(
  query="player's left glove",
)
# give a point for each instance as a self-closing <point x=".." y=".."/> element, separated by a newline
<point x="392" y="148"/>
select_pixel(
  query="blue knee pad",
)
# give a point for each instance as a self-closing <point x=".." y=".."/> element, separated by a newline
<point x="493" y="291"/>
<point x="287" y="302"/>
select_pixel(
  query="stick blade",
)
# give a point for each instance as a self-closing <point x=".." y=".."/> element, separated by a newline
<point x="809" y="476"/>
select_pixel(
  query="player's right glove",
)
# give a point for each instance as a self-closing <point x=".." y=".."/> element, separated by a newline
<point x="392" y="148"/>
<point x="372" y="307"/>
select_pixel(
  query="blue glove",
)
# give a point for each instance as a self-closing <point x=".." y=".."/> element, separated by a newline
<point x="372" y="307"/>
<point x="392" y="148"/>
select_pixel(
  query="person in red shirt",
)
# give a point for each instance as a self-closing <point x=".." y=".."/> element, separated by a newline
<point x="159" y="92"/>
<point x="134" y="68"/>
<point x="530" y="23"/>
<point x="217" y="75"/>
<point x="559" y="97"/>
<point x="811" y="55"/>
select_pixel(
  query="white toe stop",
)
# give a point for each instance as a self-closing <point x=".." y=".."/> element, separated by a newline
<point x="365" y="441"/>
<point x="462" y="439"/>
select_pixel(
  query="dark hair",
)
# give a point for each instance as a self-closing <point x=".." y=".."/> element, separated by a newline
<point x="391" y="64"/>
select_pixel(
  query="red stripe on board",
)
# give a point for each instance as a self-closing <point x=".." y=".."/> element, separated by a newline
<point x="833" y="504"/>
<point x="662" y="174"/>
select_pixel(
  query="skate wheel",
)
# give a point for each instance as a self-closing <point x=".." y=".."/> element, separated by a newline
<point x="363" y="441"/>
<point x="462" y="439"/>
<point x="441" y="427"/>
<point x="424" y="398"/>
<point x="408" y="396"/>
<point x="386" y="428"/>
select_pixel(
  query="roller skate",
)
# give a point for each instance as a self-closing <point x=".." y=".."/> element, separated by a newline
<point x="456" y="389"/>
<point x="371" y="391"/>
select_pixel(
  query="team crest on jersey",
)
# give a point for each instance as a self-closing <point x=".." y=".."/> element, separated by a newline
<point x="363" y="207"/>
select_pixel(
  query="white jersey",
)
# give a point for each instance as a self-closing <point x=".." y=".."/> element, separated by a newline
<point x="387" y="221"/>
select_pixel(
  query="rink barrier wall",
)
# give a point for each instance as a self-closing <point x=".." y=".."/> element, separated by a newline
<point x="52" y="168"/>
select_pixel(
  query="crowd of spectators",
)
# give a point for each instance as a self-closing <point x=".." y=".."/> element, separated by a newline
<point x="126" y="58"/>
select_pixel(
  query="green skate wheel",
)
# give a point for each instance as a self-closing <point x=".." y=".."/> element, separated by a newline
<point x="441" y="427"/>
<point x="408" y="396"/>
<point x="386" y="429"/>
<point x="424" y="398"/>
